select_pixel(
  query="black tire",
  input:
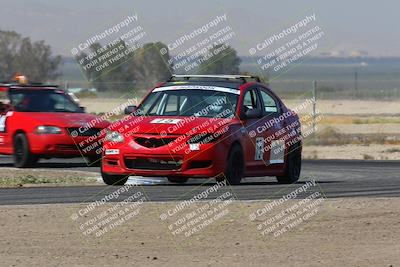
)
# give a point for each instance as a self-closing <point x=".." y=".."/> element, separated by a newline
<point x="293" y="166"/>
<point x="235" y="168"/>
<point x="22" y="155"/>
<point x="177" y="180"/>
<point x="94" y="161"/>
<point x="220" y="178"/>
<point x="114" y="179"/>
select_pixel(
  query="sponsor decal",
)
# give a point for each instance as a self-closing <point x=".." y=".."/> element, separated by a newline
<point x="112" y="151"/>
<point x="194" y="147"/>
<point x="277" y="152"/>
<point x="259" y="155"/>
<point x="166" y="121"/>
<point x="3" y="119"/>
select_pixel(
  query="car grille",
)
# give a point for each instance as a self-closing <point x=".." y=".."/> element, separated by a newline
<point x="74" y="131"/>
<point x="199" y="164"/>
<point x="153" y="163"/>
<point x="153" y="142"/>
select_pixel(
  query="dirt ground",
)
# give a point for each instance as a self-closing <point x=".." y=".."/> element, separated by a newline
<point x="389" y="128"/>
<point x="373" y="151"/>
<point x="102" y="105"/>
<point x="350" y="107"/>
<point x="343" y="232"/>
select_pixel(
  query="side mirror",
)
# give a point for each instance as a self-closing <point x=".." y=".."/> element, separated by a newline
<point x="83" y="109"/>
<point x="129" y="110"/>
<point x="252" y="114"/>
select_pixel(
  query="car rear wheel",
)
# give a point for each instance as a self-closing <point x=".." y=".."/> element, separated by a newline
<point x="177" y="180"/>
<point x="293" y="166"/>
<point x="23" y="157"/>
<point x="114" y="179"/>
<point x="235" y="167"/>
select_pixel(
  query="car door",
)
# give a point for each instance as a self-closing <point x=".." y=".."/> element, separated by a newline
<point x="272" y="129"/>
<point x="251" y="141"/>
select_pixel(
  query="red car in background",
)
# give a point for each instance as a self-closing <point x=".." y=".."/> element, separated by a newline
<point x="42" y="121"/>
<point x="198" y="126"/>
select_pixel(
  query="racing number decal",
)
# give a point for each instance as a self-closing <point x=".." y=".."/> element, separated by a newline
<point x="259" y="155"/>
<point x="166" y="121"/>
<point x="3" y="119"/>
<point x="277" y="152"/>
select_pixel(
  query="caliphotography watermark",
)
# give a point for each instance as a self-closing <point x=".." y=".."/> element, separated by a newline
<point x="111" y="46"/>
<point x="217" y="115"/>
<point x="113" y="210"/>
<point x="288" y="212"/>
<point x="193" y="216"/>
<point x="279" y="133"/>
<point x="198" y="46"/>
<point x="290" y="45"/>
<point x="90" y="136"/>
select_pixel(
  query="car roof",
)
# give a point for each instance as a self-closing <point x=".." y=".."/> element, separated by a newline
<point x="5" y="87"/>
<point x="228" y="81"/>
<point x="232" y="85"/>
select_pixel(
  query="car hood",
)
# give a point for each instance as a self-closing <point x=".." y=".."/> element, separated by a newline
<point x="171" y="125"/>
<point x="63" y="119"/>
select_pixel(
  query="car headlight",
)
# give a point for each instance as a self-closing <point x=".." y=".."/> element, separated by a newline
<point x="114" y="136"/>
<point x="43" y="129"/>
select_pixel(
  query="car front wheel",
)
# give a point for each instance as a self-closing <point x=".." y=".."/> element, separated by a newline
<point x="235" y="168"/>
<point x="110" y="179"/>
<point x="177" y="180"/>
<point x="22" y="155"/>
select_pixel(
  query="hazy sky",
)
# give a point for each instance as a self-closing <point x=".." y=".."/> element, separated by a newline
<point x="371" y="26"/>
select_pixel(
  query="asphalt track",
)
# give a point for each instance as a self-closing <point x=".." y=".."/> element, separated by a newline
<point x="334" y="178"/>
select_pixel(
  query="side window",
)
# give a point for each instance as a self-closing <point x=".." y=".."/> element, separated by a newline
<point x="250" y="100"/>
<point x="4" y="103"/>
<point x="151" y="103"/>
<point x="165" y="104"/>
<point x="270" y="104"/>
<point x="171" y="107"/>
<point x="60" y="102"/>
<point x="174" y="105"/>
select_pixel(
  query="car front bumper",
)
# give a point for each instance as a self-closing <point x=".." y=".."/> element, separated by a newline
<point x="63" y="145"/>
<point x="208" y="161"/>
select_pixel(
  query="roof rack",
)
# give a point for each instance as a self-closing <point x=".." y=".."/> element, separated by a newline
<point x="243" y="78"/>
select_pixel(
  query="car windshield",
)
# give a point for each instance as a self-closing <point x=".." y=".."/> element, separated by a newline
<point x="41" y="100"/>
<point x="190" y="102"/>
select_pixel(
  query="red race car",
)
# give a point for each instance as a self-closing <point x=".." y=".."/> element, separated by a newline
<point x="198" y="126"/>
<point x="42" y="121"/>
